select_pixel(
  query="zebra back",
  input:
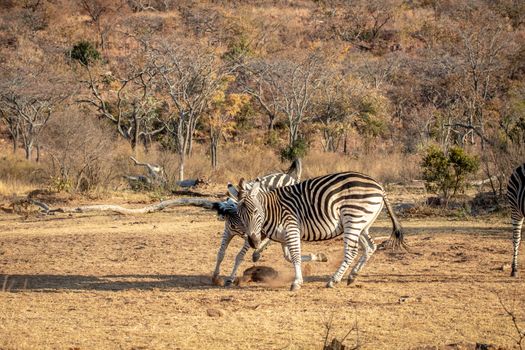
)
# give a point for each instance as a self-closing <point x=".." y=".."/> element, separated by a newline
<point x="316" y="204"/>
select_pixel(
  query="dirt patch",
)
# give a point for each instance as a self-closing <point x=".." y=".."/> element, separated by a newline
<point x="111" y="281"/>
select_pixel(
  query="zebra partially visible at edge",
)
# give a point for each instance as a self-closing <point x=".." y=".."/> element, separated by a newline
<point x="516" y="197"/>
<point x="233" y="225"/>
<point x="318" y="209"/>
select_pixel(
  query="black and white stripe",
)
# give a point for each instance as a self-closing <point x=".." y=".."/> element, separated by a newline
<point x="318" y="209"/>
<point x="233" y="225"/>
<point x="516" y="196"/>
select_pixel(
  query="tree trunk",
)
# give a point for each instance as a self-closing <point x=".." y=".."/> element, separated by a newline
<point x="15" y="144"/>
<point x="214" y="145"/>
<point x="28" y="148"/>
<point x="135" y="135"/>
<point x="182" y="158"/>
<point x="214" y="156"/>
<point x="271" y="122"/>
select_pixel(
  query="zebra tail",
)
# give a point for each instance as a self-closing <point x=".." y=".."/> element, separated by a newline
<point x="397" y="239"/>
<point x="295" y="170"/>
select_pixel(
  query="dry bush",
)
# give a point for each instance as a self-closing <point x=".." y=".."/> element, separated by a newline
<point x="80" y="153"/>
<point x="383" y="166"/>
<point x="235" y="161"/>
<point x="248" y="161"/>
<point x="18" y="175"/>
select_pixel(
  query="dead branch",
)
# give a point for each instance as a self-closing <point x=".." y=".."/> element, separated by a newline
<point x="154" y="170"/>
<point x="145" y="210"/>
<point x="514" y="318"/>
<point x="156" y="175"/>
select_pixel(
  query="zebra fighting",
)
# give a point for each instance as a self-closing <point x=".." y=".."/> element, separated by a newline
<point x="317" y="209"/>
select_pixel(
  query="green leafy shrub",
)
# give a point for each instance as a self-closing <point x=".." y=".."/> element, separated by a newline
<point x="84" y="52"/>
<point x="298" y="149"/>
<point x="447" y="173"/>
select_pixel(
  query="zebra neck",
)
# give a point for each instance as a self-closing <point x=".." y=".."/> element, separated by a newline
<point x="271" y="207"/>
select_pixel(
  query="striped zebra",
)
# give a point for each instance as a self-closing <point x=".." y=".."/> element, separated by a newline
<point x="516" y="196"/>
<point x="317" y="209"/>
<point x="233" y="224"/>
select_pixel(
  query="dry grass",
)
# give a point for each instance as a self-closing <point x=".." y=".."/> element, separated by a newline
<point x="17" y="175"/>
<point x="14" y="187"/>
<point x="98" y="282"/>
<point x="385" y="167"/>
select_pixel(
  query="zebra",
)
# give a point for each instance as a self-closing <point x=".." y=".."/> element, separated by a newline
<point x="516" y="197"/>
<point x="233" y="225"/>
<point x="318" y="209"/>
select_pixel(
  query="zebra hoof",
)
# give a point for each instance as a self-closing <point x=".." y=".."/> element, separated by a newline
<point x="216" y="280"/>
<point x="350" y="280"/>
<point x="295" y="286"/>
<point x="228" y="283"/>
<point x="256" y="256"/>
<point x="514" y="273"/>
<point x="331" y="284"/>
<point x="322" y="257"/>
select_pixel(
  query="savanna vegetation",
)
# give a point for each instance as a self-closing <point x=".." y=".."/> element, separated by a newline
<point x="101" y="99"/>
<point x="223" y="89"/>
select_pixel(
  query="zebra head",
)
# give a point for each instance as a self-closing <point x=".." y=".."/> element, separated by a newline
<point x="250" y="212"/>
<point x="227" y="210"/>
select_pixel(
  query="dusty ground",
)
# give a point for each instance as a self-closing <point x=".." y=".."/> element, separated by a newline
<point x="117" y="282"/>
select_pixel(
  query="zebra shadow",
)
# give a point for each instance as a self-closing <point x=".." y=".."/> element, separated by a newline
<point x="423" y="278"/>
<point x="55" y="283"/>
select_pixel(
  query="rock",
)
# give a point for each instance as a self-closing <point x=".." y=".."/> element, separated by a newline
<point x="505" y="267"/>
<point x="215" y="312"/>
<point x="408" y="299"/>
<point x="259" y="274"/>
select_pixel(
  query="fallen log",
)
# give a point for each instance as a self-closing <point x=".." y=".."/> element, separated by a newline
<point x="204" y="203"/>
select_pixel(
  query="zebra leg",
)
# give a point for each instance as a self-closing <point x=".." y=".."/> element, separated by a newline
<point x="257" y="253"/>
<point x="238" y="260"/>
<point x="369" y="248"/>
<point x="286" y="253"/>
<point x="350" y="239"/>
<point x="304" y="258"/>
<point x="293" y="246"/>
<point x="226" y="239"/>
<point x="517" y="222"/>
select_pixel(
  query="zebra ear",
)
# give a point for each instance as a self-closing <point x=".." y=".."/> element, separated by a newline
<point x="242" y="189"/>
<point x="242" y="184"/>
<point x="255" y="188"/>
<point x="232" y="191"/>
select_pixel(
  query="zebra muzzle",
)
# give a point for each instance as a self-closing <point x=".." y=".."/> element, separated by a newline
<point x="254" y="243"/>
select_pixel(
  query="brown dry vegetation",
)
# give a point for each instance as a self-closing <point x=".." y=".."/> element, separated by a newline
<point x="387" y="79"/>
<point x="111" y="281"/>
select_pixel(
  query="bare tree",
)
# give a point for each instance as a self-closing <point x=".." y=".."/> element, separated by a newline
<point x="285" y="87"/>
<point x="26" y="106"/>
<point x="12" y="123"/>
<point x="333" y="109"/>
<point x="102" y="18"/>
<point x="130" y="101"/>
<point x="191" y="76"/>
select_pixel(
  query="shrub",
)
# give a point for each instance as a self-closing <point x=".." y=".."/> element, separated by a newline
<point x="84" y="52"/>
<point x="298" y="149"/>
<point x="447" y="173"/>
